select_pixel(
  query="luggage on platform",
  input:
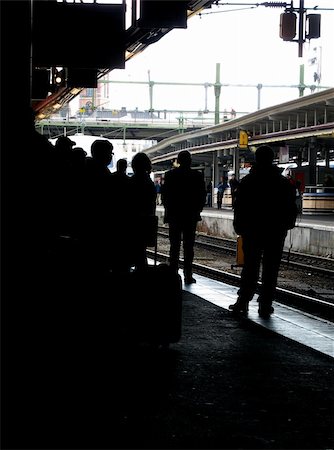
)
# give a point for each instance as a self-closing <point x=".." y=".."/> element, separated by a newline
<point x="149" y="306"/>
<point x="239" y="254"/>
<point x="156" y="305"/>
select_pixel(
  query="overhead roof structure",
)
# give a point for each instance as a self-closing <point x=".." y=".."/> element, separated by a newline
<point x="158" y="17"/>
<point x="292" y="124"/>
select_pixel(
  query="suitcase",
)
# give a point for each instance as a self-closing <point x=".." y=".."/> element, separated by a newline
<point x="156" y="300"/>
<point x="149" y="306"/>
<point x="156" y="305"/>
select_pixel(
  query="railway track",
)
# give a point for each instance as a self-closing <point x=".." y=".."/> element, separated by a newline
<point x="310" y="263"/>
<point x="323" y="308"/>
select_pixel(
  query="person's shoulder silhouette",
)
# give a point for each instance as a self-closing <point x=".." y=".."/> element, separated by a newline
<point x="265" y="198"/>
<point x="184" y="191"/>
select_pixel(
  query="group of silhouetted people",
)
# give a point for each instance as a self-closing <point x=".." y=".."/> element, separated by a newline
<point x="87" y="202"/>
<point x="93" y="205"/>
<point x="77" y="202"/>
<point x="264" y="205"/>
<point x="80" y="225"/>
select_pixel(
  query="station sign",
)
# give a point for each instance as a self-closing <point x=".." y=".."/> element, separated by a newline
<point x="243" y="139"/>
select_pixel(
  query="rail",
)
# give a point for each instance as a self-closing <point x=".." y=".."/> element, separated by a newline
<point x="311" y="305"/>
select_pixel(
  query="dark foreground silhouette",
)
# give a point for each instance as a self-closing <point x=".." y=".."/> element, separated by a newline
<point x="264" y="210"/>
<point x="183" y="196"/>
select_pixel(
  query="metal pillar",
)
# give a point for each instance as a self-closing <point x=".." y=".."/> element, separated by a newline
<point x="301" y="28"/>
<point x="215" y="175"/>
<point x="206" y="85"/>
<point x="327" y="159"/>
<point x="217" y="93"/>
<point x="259" y="87"/>
<point x="301" y="80"/>
<point x="236" y="163"/>
<point x="151" y="85"/>
<point x="312" y="160"/>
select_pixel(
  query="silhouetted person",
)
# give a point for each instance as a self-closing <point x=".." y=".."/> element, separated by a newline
<point x="264" y="210"/>
<point x="157" y="185"/>
<point x="120" y="176"/>
<point x="221" y="186"/>
<point x="77" y="194"/>
<point x="328" y="183"/>
<point x="63" y="148"/>
<point x="183" y="196"/>
<point x="122" y="213"/>
<point x="99" y="214"/>
<point x="38" y="178"/>
<point x="290" y="178"/>
<point x="121" y="167"/>
<point x="121" y="181"/>
<point x="234" y="183"/>
<point x="299" y="197"/>
<point x="209" y="194"/>
<point x="143" y="203"/>
<point x="61" y="165"/>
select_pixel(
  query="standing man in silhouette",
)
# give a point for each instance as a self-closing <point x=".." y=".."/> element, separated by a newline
<point x="99" y="214"/>
<point x="183" y="196"/>
<point x="222" y="185"/>
<point x="234" y="183"/>
<point x="121" y="187"/>
<point x="264" y="210"/>
<point x="143" y="198"/>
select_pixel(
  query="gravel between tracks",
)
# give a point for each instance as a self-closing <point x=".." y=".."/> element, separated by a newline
<point x="299" y="281"/>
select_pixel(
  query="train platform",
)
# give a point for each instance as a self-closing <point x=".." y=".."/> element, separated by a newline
<point x="229" y="383"/>
<point x="308" y="330"/>
<point x="313" y="234"/>
<point x="326" y="220"/>
<point x="232" y="383"/>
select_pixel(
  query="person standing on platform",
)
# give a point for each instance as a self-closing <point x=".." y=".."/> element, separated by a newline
<point x="120" y="182"/>
<point x="122" y="199"/>
<point x="157" y="185"/>
<point x="209" y="194"/>
<point x="222" y="185"/>
<point x="121" y="167"/>
<point x="328" y="183"/>
<point x="143" y="197"/>
<point x="265" y="209"/>
<point x="234" y="183"/>
<point x="183" y="196"/>
<point x="99" y="218"/>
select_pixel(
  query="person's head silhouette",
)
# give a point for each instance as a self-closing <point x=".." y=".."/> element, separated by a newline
<point x="184" y="158"/>
<point x="102" y="152"/>
<point x="121" y="165"/>
<point x="264" y="156"/>
<point x="64" y="144"/>
<point x="141" y="163"/>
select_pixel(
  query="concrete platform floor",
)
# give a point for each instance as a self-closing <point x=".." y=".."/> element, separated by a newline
<point x="227" y="384"/>
<point x="301" y="327"/>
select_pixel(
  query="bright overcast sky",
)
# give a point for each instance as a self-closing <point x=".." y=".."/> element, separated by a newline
<point x="247" y="46"/>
